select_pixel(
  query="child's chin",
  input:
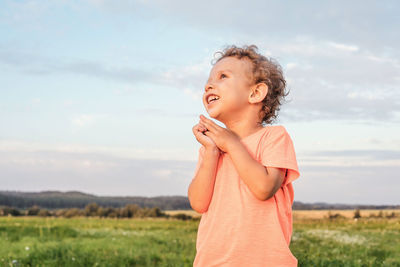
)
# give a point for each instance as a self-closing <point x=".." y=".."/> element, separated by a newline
<point x="215" y="117"/>
<point x="212" y="115"/>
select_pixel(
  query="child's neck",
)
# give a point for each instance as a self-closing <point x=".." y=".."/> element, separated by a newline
<point x="244" y="128"/>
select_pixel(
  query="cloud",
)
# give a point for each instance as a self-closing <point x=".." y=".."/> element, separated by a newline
<point x="336" y="70"/>
<point x="348" y="184"/>
<point x="342" y="84"/>
<point x="348" y="176"/>
<point x="351" y="158"/>
<point x="82" y="120"/>
<point x="94" y="173"/>
<point x="325" y="82"/>
<point x="345" y="176"/>
<point x="86" y="119"/>
<point x="344" y="20"/>
<point x="27" y="12"/>
<point x="125" y="151"/>
<point x="163" y="173"/>
<point x="194" y="94"/>
<point x="189" y="76"/>
<point x="345" y="47"/>
<point x="332" y="73"/>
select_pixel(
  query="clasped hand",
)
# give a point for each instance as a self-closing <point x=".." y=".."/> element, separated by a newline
<point x="221" y="137"/>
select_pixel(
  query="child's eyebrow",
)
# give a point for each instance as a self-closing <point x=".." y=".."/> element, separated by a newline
<point x="219" y="72"/>
<point x="227" y="70"/>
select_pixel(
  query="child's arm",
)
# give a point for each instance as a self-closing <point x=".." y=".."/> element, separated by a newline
<point x="202" y="186"/>
<point x="262" y="181"/>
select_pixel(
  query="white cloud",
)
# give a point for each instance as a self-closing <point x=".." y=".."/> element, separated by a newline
<point x="361" y="176"/>
<point x="86" y="120"/>
<point x="126" y="151"/>
<point x="83" y="120"/>
<point x="343" y="19"/>
<point x="367" y="95"/>
<point x="345" y="47"/>
<point x="350" y="158"/>
<point x="194" y="94"/>
<point x="191" y="76"/>
<point x="291" y="65"/>
<point x="125" y="90"/>
<point x="326" y="79"/>
<point x="331" y="83"/>
<point x="188" y="76"/>
<point x="163" y="173"/>
<point x="100" y="173"/>
<point x="35" y="100"/>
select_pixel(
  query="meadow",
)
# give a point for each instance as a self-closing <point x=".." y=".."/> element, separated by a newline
<point x="88" y="241"/>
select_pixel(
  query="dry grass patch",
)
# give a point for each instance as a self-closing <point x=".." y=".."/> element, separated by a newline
<point x="186" y="212"/>
<point x="320" y="214"/>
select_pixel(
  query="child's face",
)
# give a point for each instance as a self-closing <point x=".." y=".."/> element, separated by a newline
<point x="229" y="80"/>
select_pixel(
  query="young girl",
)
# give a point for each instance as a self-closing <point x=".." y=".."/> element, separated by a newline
<point x="243" y="179"/>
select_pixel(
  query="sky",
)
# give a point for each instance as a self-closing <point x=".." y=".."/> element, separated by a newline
<point x="100" y="96"/>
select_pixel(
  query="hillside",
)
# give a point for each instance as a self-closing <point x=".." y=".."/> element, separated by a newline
<point x="76" y="199"/>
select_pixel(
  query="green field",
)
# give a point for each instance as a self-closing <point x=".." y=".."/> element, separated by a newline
<point x="36" y="241"/>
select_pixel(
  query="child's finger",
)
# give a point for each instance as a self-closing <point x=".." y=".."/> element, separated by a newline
<point x="204" y="118"/>
<point x="209" y="124"/>
<point x="202" y="127"/>
<point x="210" y="127"/>
<point x="198" y="129"/>
<point x="210" y="134"/>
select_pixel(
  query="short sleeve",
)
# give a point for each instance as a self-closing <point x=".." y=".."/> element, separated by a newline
<point x="277" y="151"/>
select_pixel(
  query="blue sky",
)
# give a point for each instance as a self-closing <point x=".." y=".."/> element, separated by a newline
<point x="101" y="96"/>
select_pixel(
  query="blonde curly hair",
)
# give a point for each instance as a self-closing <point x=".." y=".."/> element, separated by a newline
<point x="265" y="70"/>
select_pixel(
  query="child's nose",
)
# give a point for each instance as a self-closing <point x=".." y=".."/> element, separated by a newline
<point x="208" y="86"/>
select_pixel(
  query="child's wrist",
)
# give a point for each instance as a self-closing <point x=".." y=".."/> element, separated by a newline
<point x="233" y="146"/>
<point x="212" y="150"/>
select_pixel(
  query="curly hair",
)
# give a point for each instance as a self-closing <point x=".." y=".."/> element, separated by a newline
<point x="265" y="70"/>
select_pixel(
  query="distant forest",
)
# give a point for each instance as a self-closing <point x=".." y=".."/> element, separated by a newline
<point x="75" y="199"/>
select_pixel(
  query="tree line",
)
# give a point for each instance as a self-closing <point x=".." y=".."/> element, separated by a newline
<point x="93" y="210"/>
<point x="75" y="199"/>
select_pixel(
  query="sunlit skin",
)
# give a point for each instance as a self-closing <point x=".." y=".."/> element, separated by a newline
<point x="238" y="109"/>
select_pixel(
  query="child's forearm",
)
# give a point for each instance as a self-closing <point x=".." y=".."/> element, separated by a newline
<point x="254" y="174"/>
<point x="202" y="186"/>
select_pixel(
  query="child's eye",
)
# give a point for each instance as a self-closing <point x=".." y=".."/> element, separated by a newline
<point x="223" y="75"/>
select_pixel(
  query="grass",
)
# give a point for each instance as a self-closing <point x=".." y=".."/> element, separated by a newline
<point x="347" y="242"/>
<point x="36" y="241"/>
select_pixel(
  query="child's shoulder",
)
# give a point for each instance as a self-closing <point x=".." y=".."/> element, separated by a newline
<point x="276" y="129"/>
<point x="275" y="133"/>
<point x="276" y="126"/>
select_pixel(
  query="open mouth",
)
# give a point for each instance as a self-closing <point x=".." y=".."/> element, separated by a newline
<point x="212" y="98"/>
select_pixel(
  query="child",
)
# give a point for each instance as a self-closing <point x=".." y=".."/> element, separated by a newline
<point x="243" y="178"/>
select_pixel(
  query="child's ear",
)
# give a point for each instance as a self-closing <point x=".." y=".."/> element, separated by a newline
<point x="258" y="93"/>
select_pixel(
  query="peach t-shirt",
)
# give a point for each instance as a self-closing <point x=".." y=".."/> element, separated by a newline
<point x="240" y="230"/>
